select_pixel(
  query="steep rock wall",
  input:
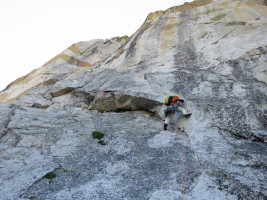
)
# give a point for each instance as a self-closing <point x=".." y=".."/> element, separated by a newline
<point x="213" y="54"/>
<point x="70" y="61"/>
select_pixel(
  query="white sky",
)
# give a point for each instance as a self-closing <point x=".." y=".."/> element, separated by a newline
<point x="34" y="31"/>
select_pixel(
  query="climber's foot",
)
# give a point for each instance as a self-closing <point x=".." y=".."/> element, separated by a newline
<point x="165" y="126"/>
<point x="188" y="115"/>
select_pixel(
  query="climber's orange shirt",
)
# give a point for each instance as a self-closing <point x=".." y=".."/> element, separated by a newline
<point x="174" y="100"/>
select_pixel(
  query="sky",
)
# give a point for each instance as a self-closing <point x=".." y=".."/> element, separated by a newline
<point x="34" y="31"/>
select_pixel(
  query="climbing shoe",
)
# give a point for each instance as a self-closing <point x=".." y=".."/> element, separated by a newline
<point x="165" y="126"/>
<point x="188" y="115"/>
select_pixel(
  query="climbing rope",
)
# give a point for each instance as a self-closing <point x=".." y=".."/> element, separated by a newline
<point x="186" y="172"/>
<point x="185" y="166"/>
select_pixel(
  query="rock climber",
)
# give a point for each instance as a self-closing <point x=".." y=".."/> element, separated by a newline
<point x="173" y="104"/>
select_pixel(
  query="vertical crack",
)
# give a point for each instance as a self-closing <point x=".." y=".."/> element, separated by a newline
<point x="4" y="130"/>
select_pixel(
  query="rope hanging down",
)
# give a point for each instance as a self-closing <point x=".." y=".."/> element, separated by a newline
<point x="186" y="172"/>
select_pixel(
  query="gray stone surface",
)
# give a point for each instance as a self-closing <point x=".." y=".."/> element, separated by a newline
<point x="213" y="53"/>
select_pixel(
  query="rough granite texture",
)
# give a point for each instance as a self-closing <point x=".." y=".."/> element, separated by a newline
<point x="213" y="53"/>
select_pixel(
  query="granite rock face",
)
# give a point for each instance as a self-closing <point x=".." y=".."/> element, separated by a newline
<point x="213" y="53"/>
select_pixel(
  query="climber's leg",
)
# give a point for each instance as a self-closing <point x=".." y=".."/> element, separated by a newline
<point x="167" y="120"/>
<point x="182" y="110"/>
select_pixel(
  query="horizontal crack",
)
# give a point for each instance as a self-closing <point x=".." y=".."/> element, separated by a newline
<point x="253" y="138"/>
